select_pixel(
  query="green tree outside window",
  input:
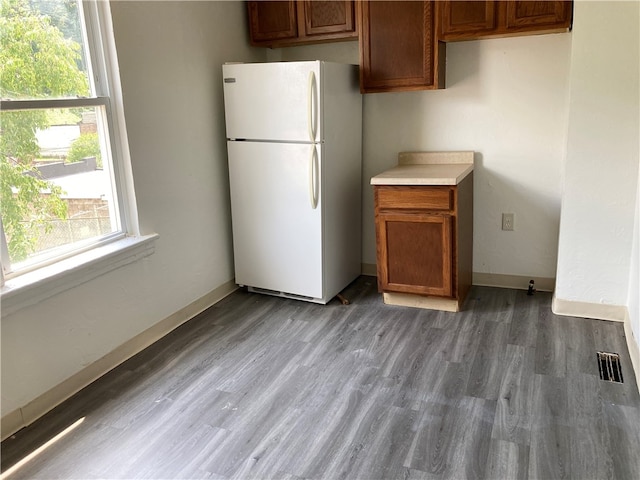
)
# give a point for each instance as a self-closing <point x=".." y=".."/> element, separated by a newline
<point x="37" y="61"/>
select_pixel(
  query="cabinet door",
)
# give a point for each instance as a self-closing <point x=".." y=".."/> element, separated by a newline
<point x="538" y="14"/>
<point x="277" y="233"/>
<point x="398" y="48"/>
<point x="326" y="18"/>
<point x="467" y="18"/>
<point x="415" y="253"/>
<point x="272" y="20"/>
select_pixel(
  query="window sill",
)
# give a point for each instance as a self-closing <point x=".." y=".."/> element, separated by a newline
<point x="33" y="287"/>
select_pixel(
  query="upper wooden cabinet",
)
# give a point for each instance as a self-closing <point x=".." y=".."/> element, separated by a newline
<point x="284" y="23"/>
<point x="323" y="19"/>
<point x="398" y="47"/>
<point x="468" y="17"/>
<point x="529" y="16"/>
<point x="272" y="21"/>
<point x="468" y="20"/>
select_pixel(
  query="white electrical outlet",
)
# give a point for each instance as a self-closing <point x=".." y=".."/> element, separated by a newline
<point x="507" y="221"/>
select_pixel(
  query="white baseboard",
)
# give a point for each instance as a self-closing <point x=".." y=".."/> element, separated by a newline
<point x="542" y="284"/>
<point x="30" y="412"/>
<point x="369" y="269"/>
<point x="11" y="423"/>
<point x="633" y="346"/>
<point x="571" y="308"/>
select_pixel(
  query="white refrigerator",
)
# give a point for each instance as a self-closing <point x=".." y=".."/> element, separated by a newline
<point x="294" y="140"/>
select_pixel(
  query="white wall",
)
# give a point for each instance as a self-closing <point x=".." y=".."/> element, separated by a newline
<point x="505" y="99"/>
<point x="601" y="172"/>
<point x="634" y="280"/>
<point x="170" y="56"/>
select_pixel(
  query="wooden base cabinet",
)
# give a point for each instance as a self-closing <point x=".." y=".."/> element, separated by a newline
<point x="424" y="239"/>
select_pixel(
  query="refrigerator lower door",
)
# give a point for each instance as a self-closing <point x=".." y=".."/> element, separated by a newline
<point x="276" y="216"/>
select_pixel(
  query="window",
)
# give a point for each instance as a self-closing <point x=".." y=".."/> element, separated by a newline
<point x="65" y="182"/>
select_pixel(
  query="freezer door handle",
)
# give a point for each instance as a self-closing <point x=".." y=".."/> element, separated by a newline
<point x="313" y="176"/>
<point x="312" y="106"/>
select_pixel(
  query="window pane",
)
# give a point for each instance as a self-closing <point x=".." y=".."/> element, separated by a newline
<point x="57" y="188"/>
<point x="42" y="50"/>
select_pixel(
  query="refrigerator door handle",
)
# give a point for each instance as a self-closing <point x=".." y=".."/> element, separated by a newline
<point x="313" y="196"/>
<point x="312" y="106"/>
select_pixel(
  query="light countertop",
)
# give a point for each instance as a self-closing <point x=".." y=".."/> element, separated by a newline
<point x="427" y="168"/>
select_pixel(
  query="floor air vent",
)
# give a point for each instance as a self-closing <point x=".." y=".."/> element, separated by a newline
<point x="610" y="368"/>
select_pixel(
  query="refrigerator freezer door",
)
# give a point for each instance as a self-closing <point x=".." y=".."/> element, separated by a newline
<point x="273" y="101"/>
<point x="277" y="236"/>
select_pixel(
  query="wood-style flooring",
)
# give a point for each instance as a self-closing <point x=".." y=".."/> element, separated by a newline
<point x="263" y="387"/>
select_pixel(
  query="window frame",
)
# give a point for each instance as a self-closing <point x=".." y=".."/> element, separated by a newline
<point x="103" y="73"/>
<point x="23" y="288"/>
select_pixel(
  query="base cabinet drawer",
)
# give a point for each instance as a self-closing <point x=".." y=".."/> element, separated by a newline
<point x="416" y="198"/>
